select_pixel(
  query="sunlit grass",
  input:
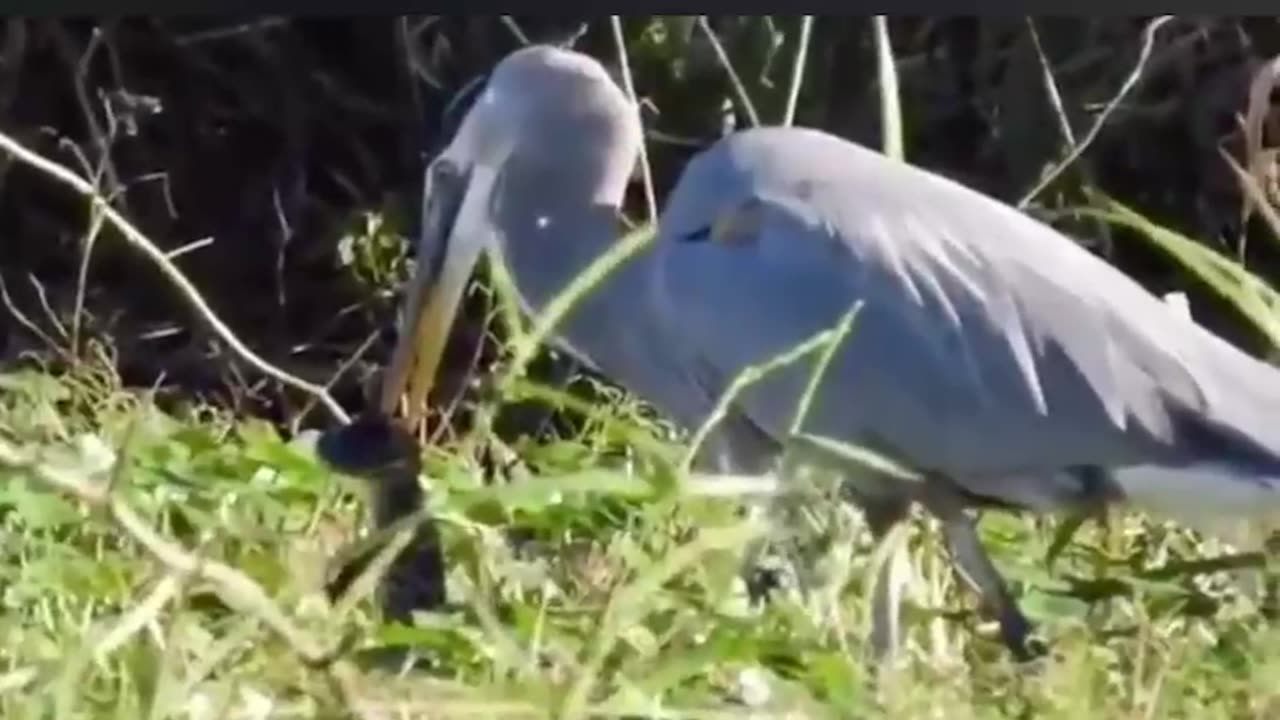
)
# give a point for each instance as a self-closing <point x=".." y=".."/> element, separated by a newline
<point x="622" y="598"/>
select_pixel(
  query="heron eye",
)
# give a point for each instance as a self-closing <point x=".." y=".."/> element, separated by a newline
<point x="699" y="235"/>
<point x="445" y="169"/>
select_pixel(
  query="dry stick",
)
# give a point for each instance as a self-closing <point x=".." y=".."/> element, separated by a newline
<point x="1264" y="81"/>
<point x="797" y="69"/>
<point x="650" y="197"/>
<point x="102" y="140"/>
<point x="106" y="169"/>
<point x="192" y="246"/>
<point x="511" y="24"/>
<point x="236" y="589"/>
<point x="890" y="104"/>
<point x="1148" y="41"/>
<point x="1064" y="123"/>
<point x="91" y="237"/>
<point x="82" y="278"/>
<point x="1254" y="193"/>
<point x="413" y="57"/>
<point x="28" y="323"/>
<point x="738" y="88"/>
<point x="295" y="424"/>
<point x="137" y="617"/>
<point x="222" y="33"/>
<point x="169" y="270"/>
<point x="1051" y="86"/>
<point x="282" y="249"/>
<point x="43" y="297"/>
<point x="891" y="553"/>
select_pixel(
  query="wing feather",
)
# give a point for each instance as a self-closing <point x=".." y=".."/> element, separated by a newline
<point x="989" y="344"/>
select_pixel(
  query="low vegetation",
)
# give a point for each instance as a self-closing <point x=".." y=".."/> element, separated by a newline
<point x="166" y="543"/>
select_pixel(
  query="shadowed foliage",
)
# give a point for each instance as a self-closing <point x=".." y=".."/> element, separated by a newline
<point x="168" y="531"/>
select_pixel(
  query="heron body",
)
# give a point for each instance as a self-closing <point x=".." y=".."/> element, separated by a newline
<point x="991" y="353"/>
<point x="990" y="348"/>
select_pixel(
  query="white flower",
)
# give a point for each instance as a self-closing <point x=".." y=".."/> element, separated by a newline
<point x="753" y="686"/>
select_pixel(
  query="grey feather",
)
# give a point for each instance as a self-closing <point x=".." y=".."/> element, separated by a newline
<point x="990" y="345"/>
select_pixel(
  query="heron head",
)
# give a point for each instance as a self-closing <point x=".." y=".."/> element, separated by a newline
<point x="551" y="111"/>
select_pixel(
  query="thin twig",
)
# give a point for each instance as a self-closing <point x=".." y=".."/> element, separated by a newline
<point x="677" y="140"/>
<point x="282" y="247"/>
<point x="510" y="23"/>
<point x="103" y="142"/>
<point x="235" y="588"/>
<point x="413" y="58"/>
<point x="82" y="277"/>
<point x="1254" y="193"/>
<point x="1051" y="86"/>
<point x="1260" y="87"/>
<point x="445" y="423"/>
<point x="135" y="237"/>
<point x="738" y="88"/>
<point x="138" y="616"/>
<point x="223" y="33"/>
<point x="296" y="423"/>
<point x="1148" y="41"/>
<point x="524" y="348"/>
<point x="43" y="297"/>
<point x="825" y="356"/>
<point x="797" y="69"/>
<point x="890" y="105"/>
<point x="750" y="375"/>
<point x="192" y="246"/>
<point x="27" y="322"/>
<point x="1064" y="123"/>
<point x="650" y="197"/>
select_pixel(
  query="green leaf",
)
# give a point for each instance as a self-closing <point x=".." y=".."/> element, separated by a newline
<point x="39" y="510"/>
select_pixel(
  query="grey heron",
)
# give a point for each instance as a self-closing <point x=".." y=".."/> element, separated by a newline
<point x="996" y="356"/>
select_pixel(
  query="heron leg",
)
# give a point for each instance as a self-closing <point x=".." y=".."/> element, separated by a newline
<point x="759" y="574"/>
<point x="975" y="568"/>
<point x="882" y="516"/>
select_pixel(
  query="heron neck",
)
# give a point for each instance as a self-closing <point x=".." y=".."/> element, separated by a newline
<point x="552" y="236"/>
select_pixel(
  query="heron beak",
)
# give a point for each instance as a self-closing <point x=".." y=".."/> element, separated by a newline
<point x="454" y="230"/>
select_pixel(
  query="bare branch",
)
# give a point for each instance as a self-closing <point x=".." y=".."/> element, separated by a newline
<point x="1148" y="41"/>
<point x="235" y="588"/>
<point x="26" y="322"/>
<point x="738" y="88"/>
<point x="649" y="196"/>
<point x="1051" y="86"/>
<point x="510" y="23"/>
<point x="140" y="241"/>
<point x="1264" y="81"/>
<point x="797" y="69"/>
<point x="890" y="104"/>
<point x="1064" y="123"/>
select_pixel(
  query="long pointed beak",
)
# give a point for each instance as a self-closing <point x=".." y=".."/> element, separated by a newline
<point x="454" y="230"/>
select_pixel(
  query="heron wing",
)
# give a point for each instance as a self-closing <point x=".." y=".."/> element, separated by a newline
<point x="987" y="344"/>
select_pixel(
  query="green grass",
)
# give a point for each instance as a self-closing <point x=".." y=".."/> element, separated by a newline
<point x="171" y="566"/>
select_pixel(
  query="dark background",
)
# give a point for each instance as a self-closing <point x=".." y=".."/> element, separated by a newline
<point x="271" y="135"/>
